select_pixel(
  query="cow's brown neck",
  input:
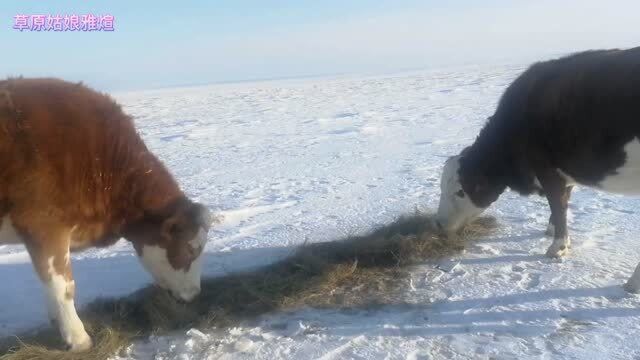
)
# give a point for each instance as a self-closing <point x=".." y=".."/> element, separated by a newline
<point x="153" y="192"/>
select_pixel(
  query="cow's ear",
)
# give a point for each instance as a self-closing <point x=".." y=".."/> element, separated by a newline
<point x="480" y="184"/>
<point x="173" y="226"/>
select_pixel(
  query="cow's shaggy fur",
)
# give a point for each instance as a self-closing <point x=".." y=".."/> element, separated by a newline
<point x="75" y="174"/>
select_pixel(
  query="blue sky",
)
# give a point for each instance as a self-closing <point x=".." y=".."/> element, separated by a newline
<point x="168" y="43"/>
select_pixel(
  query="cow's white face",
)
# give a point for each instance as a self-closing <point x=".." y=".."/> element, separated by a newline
<point x="172" y="249"/>
<point x="456" y="208"/>
<point x="183" y="282"/>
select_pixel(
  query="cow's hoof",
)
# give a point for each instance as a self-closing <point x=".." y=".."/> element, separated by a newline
<point x="84" y="343"/>
<point x="558" y="251"/>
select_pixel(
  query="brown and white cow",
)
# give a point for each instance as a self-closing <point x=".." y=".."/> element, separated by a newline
<point x="569" y="121"/>
<point x="75" y="174"/>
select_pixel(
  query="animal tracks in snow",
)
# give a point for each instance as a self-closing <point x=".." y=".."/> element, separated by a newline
<point x="237" y="216"/>
<point x="526" y="281"/>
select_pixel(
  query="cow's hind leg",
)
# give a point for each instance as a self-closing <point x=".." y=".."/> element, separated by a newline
<point x="555" y="188"/>
<point x="52" y="262"/>
<point x="551" y="229"/>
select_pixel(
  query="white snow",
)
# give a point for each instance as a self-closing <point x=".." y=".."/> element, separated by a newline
<point x="315" y="160"/>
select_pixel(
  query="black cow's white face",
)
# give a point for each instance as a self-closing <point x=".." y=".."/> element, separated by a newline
<point x="456" y="208"/>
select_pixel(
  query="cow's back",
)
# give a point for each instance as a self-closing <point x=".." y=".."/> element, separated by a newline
<point x="576" y="112"/>
<point x="574" y="90"/>
<point x="62" y="143"/>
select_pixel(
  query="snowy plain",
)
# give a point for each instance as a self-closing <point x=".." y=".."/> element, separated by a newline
<point x="315" y="160"/>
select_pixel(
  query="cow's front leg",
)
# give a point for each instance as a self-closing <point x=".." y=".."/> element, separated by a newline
<point x="555" y="188"/>
<point x="52" y="262"/>
<point x="551" y="230"/>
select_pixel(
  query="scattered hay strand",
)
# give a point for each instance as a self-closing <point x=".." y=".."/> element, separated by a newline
<point x="106" y="340"/>
<point x="357" y="271"/>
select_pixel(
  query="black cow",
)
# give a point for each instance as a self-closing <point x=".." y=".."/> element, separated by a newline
<point x="572" y="120"/>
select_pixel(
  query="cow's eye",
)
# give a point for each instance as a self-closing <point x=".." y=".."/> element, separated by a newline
<point x="460" y="193"/>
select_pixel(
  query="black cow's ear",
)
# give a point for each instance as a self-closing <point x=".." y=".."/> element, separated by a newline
<point x="480" y="184"/>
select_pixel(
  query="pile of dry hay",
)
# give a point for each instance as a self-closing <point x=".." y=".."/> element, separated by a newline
<point x="357" y="271"/>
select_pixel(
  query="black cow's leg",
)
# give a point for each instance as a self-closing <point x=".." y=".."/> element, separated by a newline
<point x="550" y="227"/>
<point x="555" y="187"/>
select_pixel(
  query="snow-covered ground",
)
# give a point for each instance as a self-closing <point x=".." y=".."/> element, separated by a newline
<point x="315" y="160"/>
